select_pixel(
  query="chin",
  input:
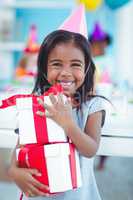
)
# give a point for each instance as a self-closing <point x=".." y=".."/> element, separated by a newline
<point x="67" y="94"/>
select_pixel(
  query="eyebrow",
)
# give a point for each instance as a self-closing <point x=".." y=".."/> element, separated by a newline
<point x="55" y="60"/>
<point x="76" y="60"/>
<point x="58" y="60"/>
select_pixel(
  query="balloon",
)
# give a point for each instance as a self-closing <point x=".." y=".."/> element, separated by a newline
<point x="91" y="4"/>
<point x="114" y="4"/>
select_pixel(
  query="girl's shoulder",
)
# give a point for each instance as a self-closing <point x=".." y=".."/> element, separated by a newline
<point x="95" y="104"/>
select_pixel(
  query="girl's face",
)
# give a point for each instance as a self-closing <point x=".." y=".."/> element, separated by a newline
<point x="66" y="65"/>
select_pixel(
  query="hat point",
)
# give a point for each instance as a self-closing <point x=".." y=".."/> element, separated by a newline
<point x="76" y="22"/>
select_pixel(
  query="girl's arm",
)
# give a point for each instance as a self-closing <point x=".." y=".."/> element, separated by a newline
<point x="24" y="179"/>
<point x="86" y="142"/>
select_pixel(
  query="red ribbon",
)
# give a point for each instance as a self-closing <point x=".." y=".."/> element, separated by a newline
<point x="40" y="122"/>
<point x="73" y="165"/>
<point x="36" y="160"/>
<point x="55" y="89"/>
<point x="22" y="156"/>
<point x="11" y="101"/>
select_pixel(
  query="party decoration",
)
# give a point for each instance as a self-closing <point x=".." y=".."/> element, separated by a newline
<point x="99" y="35"/>
<point x="114" y="4"/>
<point x="91" y="4"/>
<point x="32" y="45"/>
<point x="76" y="22"/>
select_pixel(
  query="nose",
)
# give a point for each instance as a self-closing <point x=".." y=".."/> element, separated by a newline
<point x="66" y="71"/>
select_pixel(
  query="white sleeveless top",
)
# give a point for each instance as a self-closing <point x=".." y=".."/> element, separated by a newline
<point x="89" y="190"/>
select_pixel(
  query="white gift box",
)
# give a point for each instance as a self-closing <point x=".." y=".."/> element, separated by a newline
<point x="58" y="164"/>
<point x="8" y="113"/>
<point x="34" y="128"/>
<point x="8" y="118"/>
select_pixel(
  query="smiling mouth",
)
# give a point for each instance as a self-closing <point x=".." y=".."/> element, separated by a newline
<point x="65" y="84"/>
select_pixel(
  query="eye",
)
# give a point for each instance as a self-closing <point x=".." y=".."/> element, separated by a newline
<point x="55" y="65"/>
<point x="77" y="65"/>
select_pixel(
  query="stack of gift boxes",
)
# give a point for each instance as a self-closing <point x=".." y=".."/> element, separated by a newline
<point x="44" y="144"/>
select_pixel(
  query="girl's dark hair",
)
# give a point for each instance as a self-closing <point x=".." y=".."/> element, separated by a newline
<point x="53" y="39"/>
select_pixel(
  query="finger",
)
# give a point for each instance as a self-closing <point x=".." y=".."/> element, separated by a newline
<point x="46" y="114"/>
<point x="39" y="185"/>
<point x="34" y="172"/>
<point x="35" y="187"/>
<point x="47" y="107"/>
<point x="26" y="194"/>
<point x="40" y="113"/>
<point x="68" y="101"/>
<point x="36" y="94"/>
<point x="49" y="115"/>
<point x="40" y="101"/>
<point x="53" y="98"/>
<point x="35" y="192"/>
<point x="36" y="182"/>
<point x="60" y="98"/>
<point x="30" y="194"/>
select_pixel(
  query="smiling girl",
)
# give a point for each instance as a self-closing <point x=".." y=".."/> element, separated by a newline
<point x="65" y="58"/>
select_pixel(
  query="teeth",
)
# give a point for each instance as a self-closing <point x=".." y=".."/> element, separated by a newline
<point x="66" y="83"/>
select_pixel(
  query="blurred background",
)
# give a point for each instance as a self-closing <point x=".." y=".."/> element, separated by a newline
<point x="23" y="26"/>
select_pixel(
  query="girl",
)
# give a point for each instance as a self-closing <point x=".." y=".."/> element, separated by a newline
<point x="64" y="58"/>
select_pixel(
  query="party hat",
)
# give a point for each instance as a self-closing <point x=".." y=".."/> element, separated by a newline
<point x="32" y="45"/>
<point x="99" y="35"/>
<point x="76" y="22"/>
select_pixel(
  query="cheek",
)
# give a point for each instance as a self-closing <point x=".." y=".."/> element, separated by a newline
<point x="52" y="75"/>
<point x="80" y="76"/>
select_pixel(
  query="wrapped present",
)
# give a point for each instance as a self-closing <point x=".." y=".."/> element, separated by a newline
<point x="11" y="101"/>
<point x="8" y="112"/>
<point x="20" y="111"/>
<point x="34" y="128"/>
<point x="58" y="164"/>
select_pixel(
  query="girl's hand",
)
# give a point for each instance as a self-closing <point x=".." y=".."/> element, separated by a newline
<point x="26" y="182"/>
<point x="59" y="111"/>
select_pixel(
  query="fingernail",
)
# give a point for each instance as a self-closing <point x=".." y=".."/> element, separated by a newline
<point x="39" y="174"/>
<point x="38" y="113"/>
<point x="47" y="195"/>
<point x="26" y="194"/>
<point x="46" y="187"/>
<point x="44" y="104"/>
